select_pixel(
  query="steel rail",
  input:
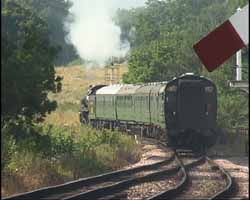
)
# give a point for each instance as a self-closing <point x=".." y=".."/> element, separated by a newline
<point x="230" y="184"/>
<point x="122" y="179"/>
<point x="223" y="194"/>
<point x="72" y="186"/>
<point x="118" y="187"/>
<point x="170" y="193"/>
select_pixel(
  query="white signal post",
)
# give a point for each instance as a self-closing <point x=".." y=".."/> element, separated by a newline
<point x="238" y="61"/>
<point x="239" y="83"/>
<point x="238" y="66"/>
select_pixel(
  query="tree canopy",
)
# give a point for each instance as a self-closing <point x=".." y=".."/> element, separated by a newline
<point x="162" y="35"/>
<point x="27" y="63"/>
<point x="55" y="14"/>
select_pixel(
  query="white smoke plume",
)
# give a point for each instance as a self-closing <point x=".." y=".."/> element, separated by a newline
<point x="93" y="32"/>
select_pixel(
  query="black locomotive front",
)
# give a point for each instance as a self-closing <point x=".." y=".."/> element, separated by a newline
<point x="191" y="109"/>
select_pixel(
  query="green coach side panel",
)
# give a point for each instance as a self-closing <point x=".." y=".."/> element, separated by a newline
<point x="106" y="102"/>
<point x="125" y="102"/>
<point x="162" y="108"/>
<point x="142" y="104"/>
<point x="157" y="105"/>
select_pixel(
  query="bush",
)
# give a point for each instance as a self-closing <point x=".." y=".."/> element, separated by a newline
<point x="19" y="136"/>
<point x="59" y="154"/>
<point x="8" y="147"/>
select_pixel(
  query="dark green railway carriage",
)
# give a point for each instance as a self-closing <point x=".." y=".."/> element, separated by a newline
<point x="104" y="103"/>
<point x="125" y="103"/>
<point x="142" y="104"/>
<point x="184" y="108"/>
<point x="157" y="105"/>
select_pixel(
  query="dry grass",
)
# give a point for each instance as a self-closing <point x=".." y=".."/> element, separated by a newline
<point x="38" y="174"/>
<point x="76" y="80"/>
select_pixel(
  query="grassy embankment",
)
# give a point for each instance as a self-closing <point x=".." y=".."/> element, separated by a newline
<point x="65" y="150"/>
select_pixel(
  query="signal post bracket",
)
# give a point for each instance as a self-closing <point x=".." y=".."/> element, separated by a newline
<point x="242" y="85"/>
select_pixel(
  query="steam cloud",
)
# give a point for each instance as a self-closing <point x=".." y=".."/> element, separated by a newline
<point x="93" y="32"/>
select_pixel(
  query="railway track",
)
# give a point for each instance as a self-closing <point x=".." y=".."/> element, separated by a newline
<point x="218" y="182"/>
<point x="87" y="185"/>
<point x="172" y="178"/>
<point x="206" y="180"/>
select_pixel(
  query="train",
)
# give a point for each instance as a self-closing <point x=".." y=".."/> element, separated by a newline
<point x="181" y="111"/>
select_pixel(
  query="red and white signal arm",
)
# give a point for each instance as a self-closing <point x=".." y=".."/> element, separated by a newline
<point x="225" y="40"/>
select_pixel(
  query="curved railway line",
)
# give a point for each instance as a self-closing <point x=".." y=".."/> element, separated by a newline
<point x="183" y="175"/>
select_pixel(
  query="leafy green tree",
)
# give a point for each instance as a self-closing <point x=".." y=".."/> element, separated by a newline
<point x="164" y="33"/>
<point x="27" y="64"/>
<point x="174" y="26"/>
<point x="56" y="14"/>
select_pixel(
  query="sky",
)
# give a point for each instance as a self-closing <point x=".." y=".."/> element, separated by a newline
<point x="128" y="3"/>
<point x="93" y="33"/>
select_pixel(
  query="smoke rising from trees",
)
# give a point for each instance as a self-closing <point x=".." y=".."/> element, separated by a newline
<point x="93" y="32"/>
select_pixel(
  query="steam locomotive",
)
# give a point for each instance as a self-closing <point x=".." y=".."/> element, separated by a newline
<point x="181" y="111"/>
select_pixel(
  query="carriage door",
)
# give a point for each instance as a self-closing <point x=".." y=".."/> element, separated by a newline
<point x="191" y="104"/>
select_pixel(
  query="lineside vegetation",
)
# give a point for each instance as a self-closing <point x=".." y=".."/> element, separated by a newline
<point x="60" y="149"/>
<point x="36" y="150"/>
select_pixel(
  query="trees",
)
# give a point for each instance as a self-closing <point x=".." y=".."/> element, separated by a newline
<point x="164" y="33"/>
<point x="159" y="43"/>
<point x="55" y="14"/>
<point x="27" y="64"/>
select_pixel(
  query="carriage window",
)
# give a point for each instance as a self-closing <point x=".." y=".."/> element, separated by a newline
<point x="209" y="89"/>
<point x="172" y="88"/>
